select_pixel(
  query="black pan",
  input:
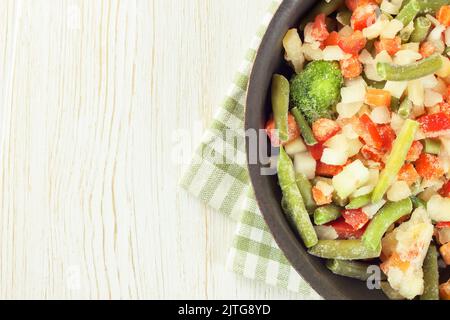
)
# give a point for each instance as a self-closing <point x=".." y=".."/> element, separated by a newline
<point x="269" y="60"/>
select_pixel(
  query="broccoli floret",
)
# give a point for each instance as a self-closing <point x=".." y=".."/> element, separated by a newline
<point x="317" y="90"/>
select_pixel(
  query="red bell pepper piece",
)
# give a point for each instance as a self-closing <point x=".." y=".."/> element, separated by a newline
<point x="356" y="218"/>
<point x="319" y="28"/>
<point x="415" y="151"/>
<point x="434" y="125"/>
<point x="332" y="40"/>
<point x="445" y="190"/>
<point x="346" y="231"/>
<point x="429" y="167"/>
<point x="408" y="174"/>
<point x="293" y="131"/>
<point x="370" y="153"/>
<point x="325" y="129"/>
<point x="371" y="135"/>
<point x="326" y="170"/>
<point x="316" y="151"/>
<point x="388" y="137"/>
<point x="353" y="44"/>
<point x="364" y="16"/>
<point x="443" y="225"/>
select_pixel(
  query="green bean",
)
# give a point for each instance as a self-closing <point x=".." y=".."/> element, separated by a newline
<point x="359" y="202"/>
<point x="374" y="84"/>
<point x="411" y="71"/>
<point x="432" y="146"/>
<point x="418" y="203"/>
<point x="305" y="188"/>
<point x="405" y="108"/>
<point x="326" y="214"/>
<point x="422" y="27"/>
<point x="294" y="203"/>
<point x="280" y="105"/>
<point x="432" y="6"/>
<point x="344" y="17"/>
<point x="395" y="104"/>
<point x="387" y="216"/>
<point x="406" y="32"/>
<point x="344" y="250"/>
<point x="350" y="269"/>
<point x="431" y="275"/>
<point x="390" y="292"/>
<point x="409" y="12"/>
<point x="322" y="7"/>
<point x="307" y="133"/>
<point x="396" y="159"/>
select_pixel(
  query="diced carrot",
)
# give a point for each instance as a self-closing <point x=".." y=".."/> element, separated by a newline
<point x="429" y="167"/>
<point x="443" y="16"/>
<point x="415" y="151"/>
<point x="332" y="40"/>
<point x="444" y="290"/>
<point x="325" y="129"/>
<point x="370" y="153"/>
<point x="394" y="261"/>
<point x="356" y="218"/>
<point x="427" y="49"/>
<point x="320" y="198"/>
<point x="370" y="132"/>
<point x="353" y="44"/>
<point x="326" y="170"/>
<point x="388" y="137"/>
<point x="319" y="28"/>
<point x="351" y="67"/>
<point x="364" y="16"/>
<point x="392" y="46"/>
<point x="445" y="190"/>
<point x="294" y="131"/>
<point x="445" y="253"/>
<point x="408" y="174"/>
<point x="378" y="98"/>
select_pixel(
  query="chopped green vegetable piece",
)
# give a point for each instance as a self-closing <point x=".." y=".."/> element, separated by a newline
<point x="431" y="275"/>
<point x="293" y="199"/>
<point x="388" y="215"/>
<point x="305" y="129"/>
<point x="395" y="104"/>
<point x="405" y="108"/>
<point x="390" y="292"/>
<point x="396" y="159"/>
<point x="418" y="203"/>
<point x="422" y="27"/>
<point x="432" y="146"/>
<point x="322" y="7"/>
<point x="350" y="269"/>
<point x="326" y="214"/>
<point x="280" y="105"/>
<point x="411" y="71"/>
<point x="409" y="12"/>
<point x="359" y="202"/>
<point x="305" y="187"/>
<point x="344" y="250"/>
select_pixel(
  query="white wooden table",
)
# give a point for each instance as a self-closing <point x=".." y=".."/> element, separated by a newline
<point x="94" y="94"/>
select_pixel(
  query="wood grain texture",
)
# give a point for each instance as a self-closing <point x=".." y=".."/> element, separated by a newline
<point x="95" y="94"/>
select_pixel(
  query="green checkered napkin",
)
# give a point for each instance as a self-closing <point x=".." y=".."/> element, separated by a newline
<point x="218" y="176"/>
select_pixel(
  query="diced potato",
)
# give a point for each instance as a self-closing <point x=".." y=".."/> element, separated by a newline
<point x="439" y="208"/>
<point x="381" y="115"/>
<point x="416" y="92"/>
<point x="326" y="233"/>
<point x="396" y="88"/>
<point x="398" y="191"/>
<point x="334" y="53"/>
<point x="293" y="47"/>
<point x="432" y="98"/>
<point x="297" y="146"/>
<point x="404" y="57"/>
<point x="353" y="176"/>
<point x="355" y="93"/>
<point x="392" y="28"/>
<point x="334" y="157"/>
<point x="444" y="72"/>
<point x="306" y="164"/>
<point x="372" y="209"/>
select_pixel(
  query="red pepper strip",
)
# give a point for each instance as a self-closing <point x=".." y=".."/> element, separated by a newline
<point x="316" y="151"/>
<point x="326" y="170"/>
<point x="443" y="225"/>
<point x="373" y="138"/>
<point x="445" y="190"/>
